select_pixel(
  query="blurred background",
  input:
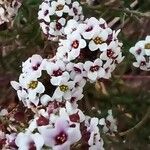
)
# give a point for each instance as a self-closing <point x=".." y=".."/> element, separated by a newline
<point x="127" y="93"/>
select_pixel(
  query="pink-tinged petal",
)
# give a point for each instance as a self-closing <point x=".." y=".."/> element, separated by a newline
<point x="32" y="126"/>
<point x="56" y="80"/>
<point x="88" y="35"/>
<point x="48" y="136"/>
<point x="101" y="73"/>
<point x="39" y="141"/>
<point x="62" y="21"/>
<point x="147" y="38"/>
<point x="104" y="56"/>
<point x="51" y="10"/>
<point x="40" y="88"/>
<point x="45" y="99"/>
<point x="147" y="52"/>
<point x="66" y="9"/>
<point x="136" y="64"/>
<point x="92" y="75"/>
<point x="98" y="62"/>
<point x="59" y="13"/>
<point x="15" y="85"/>
<point x="58" y="94"/>
<point x="65" y="146"/>
<point x="87" y="65"/>
<point x="74" y="134"/>
<point x="103" y="47"/>
<point x="93" y="46"/>
<point x="67" y="95"/>
<point x="35" y="101"/>
<point x="104" y="35"/>
<point x="61" y="125"/>
<point x="82" y="43"/>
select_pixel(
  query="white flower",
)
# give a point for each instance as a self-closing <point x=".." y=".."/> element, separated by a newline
<point x="45" y="12"/>
<point x="26" y="141"/>
<point x="90" y="26"/>
<point x="99" y="40"/>
<point x="64" y="90"/>
<point x="138" y="49"/>
<point x="109" y="66"/>
<point x="8" y="9"/>
<point x="142" y="64"/>
<point x="59" y="7"/>
<point x="33" y="65"/>
<point x="57" y="71"/>
<point x="56" y="28"/>
<point x="95" y="142"/>
<point x="112" y="51"/>
<point x="53" y="16"/>
<point x="141" y="51"/>
<point x="28" y="88"/>
<point x="109" y="124"/>
<point x="72" y="25"/>
<point x="22" y="93"/>
<point x="94" y="69"/>
<point x="76" y="69"/>
<point x="3" y="112"/>
<point x="76" y="10"/>
<point x="72" y="46"/>
<point x="147" y="46"/>
<point x="62" y="135"/>
<point x="45" y="99"/>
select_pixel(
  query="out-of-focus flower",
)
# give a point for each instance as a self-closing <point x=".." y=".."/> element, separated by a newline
<point x="8" y="9"/>
<point x="109" y="124"/>
<point x="53" y="16"/>
<point x="141" y="52"/>
<point x="26" y="141"/>
<point x="92" y="134"/>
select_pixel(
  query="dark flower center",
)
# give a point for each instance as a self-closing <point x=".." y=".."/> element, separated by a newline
<point x="139" y="51"/>
<point x="61" y="138"/>
<point x="143" y="63"/>
<point x="36" y="66"/>
<point x="32" y="146"/>
<point x="89" y="29"/>
<point x="94" y="68"/>
<point x="110" y="53"/>
<point x="57" y="73"/>
<point x="98" y="40"/>
<point x="77" y="70"/>
<point x="75" y="44"/>
<point x="75" y="11"/>
<point x="58" y="26"/>
<point x="59" y="7"/>
<point x="42" y="121"/>
<point x="75" y="117"/>
<point x="46" y="12"/>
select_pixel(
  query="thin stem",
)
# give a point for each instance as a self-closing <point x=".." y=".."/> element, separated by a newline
<point x="137" y="126"/>
<point x="125" y="10"/>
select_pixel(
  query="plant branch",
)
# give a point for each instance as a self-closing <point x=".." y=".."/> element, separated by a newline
<point x="125" y="10"/>
<point x="137" y="126"/>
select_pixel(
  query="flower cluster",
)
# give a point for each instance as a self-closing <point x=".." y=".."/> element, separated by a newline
<point x="141" y="52"/>
<point x="8" y="10"/>
<point x="44" y="80"/>
<point x="52" y="88"/>
<point x="94" y="45"/>
<point x="53" y="16"/>
<point x="88" y="51"/>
